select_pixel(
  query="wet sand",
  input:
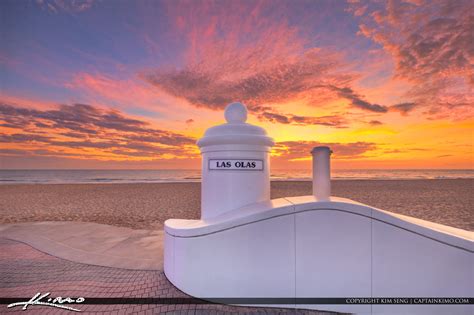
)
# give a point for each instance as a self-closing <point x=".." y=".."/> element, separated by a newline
<point x="146" y="206"/>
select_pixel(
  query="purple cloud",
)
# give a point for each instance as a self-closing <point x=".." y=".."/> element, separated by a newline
<point x="432" y="45"/>
<point x="90" y="127"/>
<point x="291" y="150"/>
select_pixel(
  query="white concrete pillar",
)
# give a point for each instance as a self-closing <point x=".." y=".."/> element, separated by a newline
<point x="235" y="164"/>
<point x="321" y="173"/>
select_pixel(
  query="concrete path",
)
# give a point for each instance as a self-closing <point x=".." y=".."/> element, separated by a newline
<point x="92" y="243"/>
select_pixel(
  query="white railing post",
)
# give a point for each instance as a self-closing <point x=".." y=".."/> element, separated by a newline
<point x="321" y="173"/>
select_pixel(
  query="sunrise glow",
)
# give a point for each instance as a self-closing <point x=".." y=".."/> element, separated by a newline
<point x="106" y="84"/>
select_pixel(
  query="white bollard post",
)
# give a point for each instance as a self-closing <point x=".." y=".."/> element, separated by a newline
<point x="235" y="164"/>
<point x="321" y="173"/>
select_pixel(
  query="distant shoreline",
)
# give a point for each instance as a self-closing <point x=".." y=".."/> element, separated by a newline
<point x="194" y="176"/>
<point x="199" y="181"/>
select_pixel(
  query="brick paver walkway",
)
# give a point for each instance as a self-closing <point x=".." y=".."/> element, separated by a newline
<point x="26" y="271"/>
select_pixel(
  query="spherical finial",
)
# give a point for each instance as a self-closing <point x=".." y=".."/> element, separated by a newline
<point x="235" y="113"/>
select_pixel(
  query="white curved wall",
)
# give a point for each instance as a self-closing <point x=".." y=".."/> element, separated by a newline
<point x="239" y="262"/>
<point x="411" y="265"/>
<point x="296" y="247"/>
<point x="333" y="250"/>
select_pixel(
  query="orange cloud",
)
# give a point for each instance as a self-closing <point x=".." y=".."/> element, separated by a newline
<point x="248" y="51"/>
<point x="111" y="89"/>
<point x="130" y="94"/>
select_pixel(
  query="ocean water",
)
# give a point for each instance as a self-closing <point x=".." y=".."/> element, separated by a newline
<point x="163" y="176"/>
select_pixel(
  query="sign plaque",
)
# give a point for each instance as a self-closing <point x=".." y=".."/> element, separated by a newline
<point x="236" y="164"/>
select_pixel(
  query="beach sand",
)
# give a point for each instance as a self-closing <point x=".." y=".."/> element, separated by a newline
<point x="147" y="206"/>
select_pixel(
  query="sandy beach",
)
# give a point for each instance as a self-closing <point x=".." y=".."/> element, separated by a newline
<point x="147" y="206"/>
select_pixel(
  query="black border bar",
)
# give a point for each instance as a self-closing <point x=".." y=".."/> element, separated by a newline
<point x="267" y="301"/>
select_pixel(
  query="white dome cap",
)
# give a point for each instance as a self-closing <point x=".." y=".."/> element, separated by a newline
<point x="236" y="130"/>
<point x="235" y="113"/>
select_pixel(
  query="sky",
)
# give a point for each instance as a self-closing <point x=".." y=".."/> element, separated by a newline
<point x="133" y="84"/>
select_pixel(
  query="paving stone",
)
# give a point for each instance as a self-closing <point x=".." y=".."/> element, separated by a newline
<point x="26" y="271"/>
